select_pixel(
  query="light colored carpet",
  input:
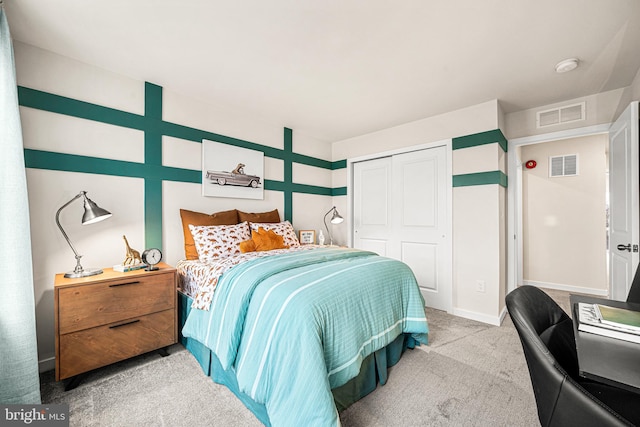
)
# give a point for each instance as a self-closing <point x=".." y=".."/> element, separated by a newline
<point x="471" y="374"/>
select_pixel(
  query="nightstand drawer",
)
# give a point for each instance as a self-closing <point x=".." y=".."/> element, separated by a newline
<point x="96" y="347"/>
<point x="87" y="306"/>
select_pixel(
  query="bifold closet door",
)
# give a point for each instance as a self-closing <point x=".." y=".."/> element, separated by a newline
<point x="400" y="211"/>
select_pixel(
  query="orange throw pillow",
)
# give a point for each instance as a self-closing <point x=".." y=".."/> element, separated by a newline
<point x="266" y="240"/>
<point x="197" y="218"/>
<point x="248" y="246"/>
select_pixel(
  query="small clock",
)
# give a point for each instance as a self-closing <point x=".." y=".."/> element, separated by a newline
<point x="151" y="257"/>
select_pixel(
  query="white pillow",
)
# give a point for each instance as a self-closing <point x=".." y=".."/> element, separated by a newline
<point x="219" y="241"/>
<point x="284" y="229"/>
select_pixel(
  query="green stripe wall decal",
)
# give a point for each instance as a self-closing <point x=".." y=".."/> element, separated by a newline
<point x="152" y="170"/>
<point x="494" y="136"/>
<point x="480" y="178"/>
<point x="488" y="137"/>
<point x="153" y="157"/>
<point x="154" y="173"/>
<point x="288" y="175"/>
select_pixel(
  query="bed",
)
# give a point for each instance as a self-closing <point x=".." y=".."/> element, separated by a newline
<point x="296" y="332"/>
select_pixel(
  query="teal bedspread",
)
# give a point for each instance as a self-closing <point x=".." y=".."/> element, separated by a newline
<point x="293" y="326"/>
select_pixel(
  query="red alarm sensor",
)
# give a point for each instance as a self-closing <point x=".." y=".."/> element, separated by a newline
<point x="530" y="164"/>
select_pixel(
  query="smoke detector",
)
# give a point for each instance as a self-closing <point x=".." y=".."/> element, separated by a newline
<point x="567" y="65"/>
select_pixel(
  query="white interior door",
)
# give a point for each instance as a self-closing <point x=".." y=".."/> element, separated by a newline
<point x="400" y="211"/>
<point x="371" y="205"/>
<point x="623" y="196"/>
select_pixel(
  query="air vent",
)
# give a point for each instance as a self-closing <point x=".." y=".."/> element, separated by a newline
<point x="557" y="116"/>
<point x="563" y="165"/>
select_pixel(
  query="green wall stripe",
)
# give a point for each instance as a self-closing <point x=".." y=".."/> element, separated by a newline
<point x="274" y="185"/>
<point x="488" y="137"/>
<point x="62" y="105"/>
<point x="339" y="164"/>
<point x="310" y="161"/>
<point x="197" y="135"/>
<point x="480" y="178"/>
<point x="153" y="157"/>
<point x="153" y="213"/>
<point x="75" y="163"/>
<point x="288" y="175"/>
<point x="310" y="189"/>
<point x="37" y="159"/>
<point x="340" y="191"/>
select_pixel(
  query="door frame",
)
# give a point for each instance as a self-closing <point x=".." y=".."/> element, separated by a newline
<point x="514" y="198"/>
<point x="448" y="241"/>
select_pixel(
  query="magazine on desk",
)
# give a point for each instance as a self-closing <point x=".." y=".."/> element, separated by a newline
<point x="598" y="319"/>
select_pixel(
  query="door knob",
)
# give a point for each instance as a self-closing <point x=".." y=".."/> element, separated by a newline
<point x="625" y="247"/>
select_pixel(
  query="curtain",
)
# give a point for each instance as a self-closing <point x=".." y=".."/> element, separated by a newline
<point x="19" y="379"/>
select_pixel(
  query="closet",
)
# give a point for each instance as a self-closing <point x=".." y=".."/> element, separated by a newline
<point x="401" y="209"/>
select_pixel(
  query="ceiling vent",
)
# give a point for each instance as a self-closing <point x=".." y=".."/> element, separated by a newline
<point x="561" y="115"/>
<point x="563" y="165"/>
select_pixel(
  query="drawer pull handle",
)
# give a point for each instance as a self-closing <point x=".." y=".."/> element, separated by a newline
<point x="123" y="324"/>
<point x="123" y="284"/>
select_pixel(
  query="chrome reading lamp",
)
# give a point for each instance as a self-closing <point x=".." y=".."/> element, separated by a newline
<point x="92" y="214"/>
<point x="335" y="219"/>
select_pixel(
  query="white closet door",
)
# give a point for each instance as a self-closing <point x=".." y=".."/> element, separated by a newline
<point x="420" y="223"/>
<point x="400" y="211"/>
<point x="371" y="209"/>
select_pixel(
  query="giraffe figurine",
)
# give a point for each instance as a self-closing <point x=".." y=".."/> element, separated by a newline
<point x="133" y="256"/>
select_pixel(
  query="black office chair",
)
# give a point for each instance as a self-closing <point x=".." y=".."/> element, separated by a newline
<point x="562" y="397"/>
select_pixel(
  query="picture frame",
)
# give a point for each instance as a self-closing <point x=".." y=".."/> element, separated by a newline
<point x="307" y="237"/>
<point x="230" y="171"/>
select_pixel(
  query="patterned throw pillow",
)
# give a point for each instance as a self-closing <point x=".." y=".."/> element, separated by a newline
<point x="218" y="241"/>
<point x="284" y="229"/>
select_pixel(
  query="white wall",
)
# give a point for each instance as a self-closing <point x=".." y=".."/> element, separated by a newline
<point x="101" y="244"/>
<point x="564" y="218"/>
<point x="466" y="121"/>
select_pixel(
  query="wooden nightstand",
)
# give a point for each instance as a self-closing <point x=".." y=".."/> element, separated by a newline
<point x="113" y="316"/>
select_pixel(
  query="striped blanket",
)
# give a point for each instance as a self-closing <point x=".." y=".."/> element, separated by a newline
<point x="293" y="326"/>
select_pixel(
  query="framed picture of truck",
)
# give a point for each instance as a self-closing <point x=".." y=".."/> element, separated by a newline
<point x="230" y="171"/>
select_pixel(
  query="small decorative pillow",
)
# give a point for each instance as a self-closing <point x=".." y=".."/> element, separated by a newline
<point x="284" y="229"/>
<point x="218" y="241"/>
<point x="266" y="240"/>
<point x="247" y="246"/>
<point x="263" y="240"/>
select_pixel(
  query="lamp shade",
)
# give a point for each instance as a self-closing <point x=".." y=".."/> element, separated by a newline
<point x="336" y="218"/>
<point x="93" y="213"/>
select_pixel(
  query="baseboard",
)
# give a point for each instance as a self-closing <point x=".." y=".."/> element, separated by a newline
<point x="480" y="317"/>
<point x="503" y="313"/>
<point x="48" y="364"/>
<point x="567" y="288"/>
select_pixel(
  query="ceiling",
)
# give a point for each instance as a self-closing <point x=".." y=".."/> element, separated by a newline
<point x="335" y="69"/>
